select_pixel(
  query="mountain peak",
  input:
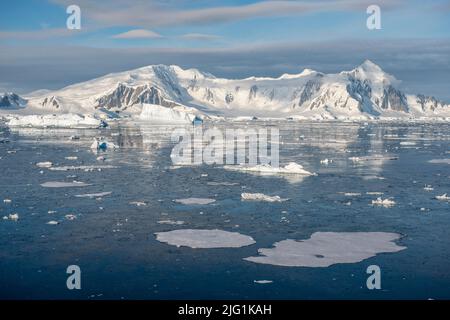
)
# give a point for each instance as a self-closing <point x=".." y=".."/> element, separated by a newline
<point x="368" y="65"/>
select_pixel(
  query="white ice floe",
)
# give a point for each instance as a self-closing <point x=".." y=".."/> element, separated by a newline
<point x="440" y="161"/>
<point x="326" y="161"/>
<point x="62" y="184"/>
<point x="383" y="202"/>
<point x="71" y="158"/>
<point x="12" y="217"/>
<point x="7" y="200"/>
<point x="138" y="203"/>
<point x="214" y="183"/>
<point x="101" y="144"/>
<point x="407" y="143"/>
<point x="290" y="168"/>
<point x="69" y="120"/>
<point x="94" y="195"/>
<point x="200" y="238"/>
<point x="70" y="216"/>
<point x="53" y="222"/>
<point x="83" y="168"/>
<point x="324" y="249"/>
<point x="372" y="158"/>
<point x="261" y="197"/>
<point x="171" y="222"/>
<point x="443" y="197"/>
<point x="374" y="193"/>
<point x="44" y="164"/>
<point x="191" y="201"/>
<point x="352" y="194"/>
<point x="428" y="188"/>
<point x="263" y="281"/>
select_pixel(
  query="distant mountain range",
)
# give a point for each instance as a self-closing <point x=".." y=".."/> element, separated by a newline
<point x="366" y="92"/>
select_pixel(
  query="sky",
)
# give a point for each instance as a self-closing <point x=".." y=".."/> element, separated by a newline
<point x="227" y="38"/>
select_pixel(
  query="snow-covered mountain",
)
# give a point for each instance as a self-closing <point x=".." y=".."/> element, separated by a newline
<point x="362" y="93"/>
<point x="11" y="100"/>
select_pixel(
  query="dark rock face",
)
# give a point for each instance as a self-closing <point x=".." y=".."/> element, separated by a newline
<point x="124" y="97"/>
<point x="229" y="98"/>
<point x="428" y="102"/>
<point x="310" y="88"/>
<point x="252" y="92"/>
<point x="394" y="99"/>
<point x="9" y="100"/>
<point x="51" y="102"/>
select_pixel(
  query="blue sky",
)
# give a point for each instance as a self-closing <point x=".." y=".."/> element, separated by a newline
<point x="227" y="38"/>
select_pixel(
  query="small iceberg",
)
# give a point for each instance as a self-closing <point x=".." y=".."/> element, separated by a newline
<point x="12" y="217"/>
<point x="101" y="144"/>
<point x="261" y="197"/>
<point x="443" y="197"/>
<point x="94" y="195"/>
<point x="200" y="238"/>
<point x="44" y="164"/>
<point x="383" y="202"/>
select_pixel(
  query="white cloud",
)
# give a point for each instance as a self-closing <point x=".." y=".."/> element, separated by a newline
<point x="137" y="34"/>
<point x="199" y="36"/>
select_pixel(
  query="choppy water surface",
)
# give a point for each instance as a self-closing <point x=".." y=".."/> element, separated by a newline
<point x="112" y="236"/>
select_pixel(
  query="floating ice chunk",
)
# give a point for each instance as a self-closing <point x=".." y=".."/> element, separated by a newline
<point x="428" y="188"/>
<point x="383" y="202"/>
<point x="101" y="144"/>
<point x="138" y="203"/>
<point x="213" y="183"/>
<point x="171" y="222"/>
<point x="45" y="164"/>
<point x="326" y="161"/>
<point x="191" y="201"/>
<point x="84" y="168"/>
<point x="263" y="281"/>
<point x="440" y="161"/>
<point x="70" y="216"/>
<point x="53" y="222"/>
<point x="352" y="194"/>
<point x="443" y="197"/>
<point x="93" y="195"/>
<point x="199" y="238"/>
<point x="7" y="200"/>
<point x="13" y="217"/>
<point x="407" y="143"/>
<point x="373" y="158"/>
<point x="290" y="168"/>
<point x="62" y="184"/>
<point x="261" y="197"/>
<point x="324" y="249"/>
<point x="71" y="158"/>
<point x="374" y="193"/>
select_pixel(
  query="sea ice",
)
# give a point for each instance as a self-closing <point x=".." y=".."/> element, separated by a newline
<point x="83" y="168"/>
<point x="290" y="168"/>
<point x="93" y="195"/>
<point x="440" y="161"/>
<point x="383" y="202"/>
<point x="53" y="222"/>
<point x="324" y="249"/>
<point x="62" y="184"/>
<point x="191" y="201"/>
<point x="199" y="238"/>
<point x="69" y="120"/>
<point x="171" y="222"/>
<point x="45" y="164"/>
<point x="443" y="197"/>
<point x="262" y="281"/>
<point x="261" y="197"/>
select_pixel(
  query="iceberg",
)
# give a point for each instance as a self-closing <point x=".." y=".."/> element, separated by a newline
<point x="261" y="197"/>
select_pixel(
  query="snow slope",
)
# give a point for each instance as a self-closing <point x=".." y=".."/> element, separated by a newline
<point x="366" y="92"/>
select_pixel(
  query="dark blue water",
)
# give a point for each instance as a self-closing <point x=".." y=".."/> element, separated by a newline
<point x="114" y="244"/>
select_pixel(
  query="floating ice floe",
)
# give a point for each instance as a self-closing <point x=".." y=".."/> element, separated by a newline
<point x="53" y="222"/>
<point x="69" y="120"/>
<point x="101" y="144"/>
<point x="428" y="188"/>
<point x="440" y="161"/>
<point x="171" y="222"/>
<point x="44" y="164"/>
<point x="263" y="281"/>
<point x="261" y="197"/>
<point x="192" y="201"/>
<point x="352" y="194"/>
<point x="383" y="202"/>
<point x="213" y="183"/>
<point x="94" y="195"/>
<point x="12" y="217"/>
<point x="374" y="193"/>
<point x="138" y="203"/>
<point x="324" y="249"/>
<point x="7" y="200"/>
<point x="326" y="161"/>
<point x="70" y="216"/>
<point x="443" y="197"/>
<point x="407" y="143"/>
<point x="290" y="168"/>
<point x="83" y="168"/>
<point x="372" y="158"/>
<point x="200" y="238"/>
<point x="71" y="158"/>
<point x="62" y="184"/>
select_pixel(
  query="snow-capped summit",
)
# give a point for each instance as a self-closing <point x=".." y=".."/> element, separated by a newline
<point x="362" y="93"/>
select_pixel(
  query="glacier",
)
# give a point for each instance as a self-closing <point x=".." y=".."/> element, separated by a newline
<point x="170" y="94"/>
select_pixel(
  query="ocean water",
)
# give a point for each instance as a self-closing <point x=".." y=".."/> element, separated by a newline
<point x="113" y="240"/>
